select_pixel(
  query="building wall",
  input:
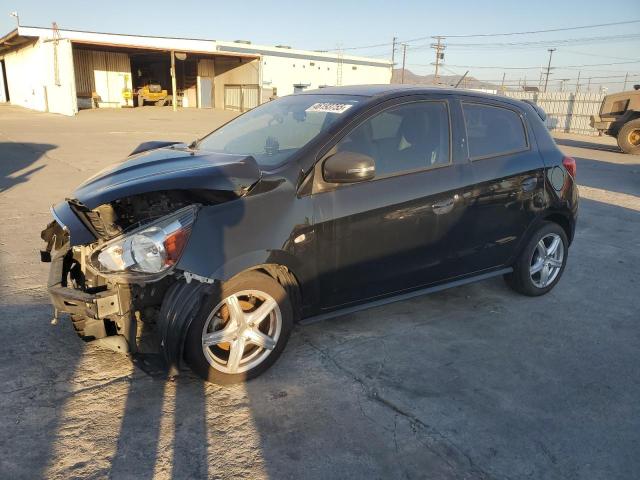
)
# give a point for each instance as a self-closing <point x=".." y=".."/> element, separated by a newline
<point x="61" y="92"/>
<point x="285" y="72"/>
<point x="25" y="77"/>
<point x="32" y="80"/>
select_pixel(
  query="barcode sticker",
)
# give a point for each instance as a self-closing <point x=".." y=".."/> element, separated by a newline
<point x="329" y="107"/>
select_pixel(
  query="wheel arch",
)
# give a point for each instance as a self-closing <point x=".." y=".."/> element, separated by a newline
<point x="563" y="221"/>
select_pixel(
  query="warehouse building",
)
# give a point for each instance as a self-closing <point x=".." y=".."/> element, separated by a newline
<point x="63" y="71"/>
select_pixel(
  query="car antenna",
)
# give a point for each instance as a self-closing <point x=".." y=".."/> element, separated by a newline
<point x="461" y="79"/>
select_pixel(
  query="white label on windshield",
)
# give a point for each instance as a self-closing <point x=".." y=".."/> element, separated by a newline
<point x="329" y="107"/>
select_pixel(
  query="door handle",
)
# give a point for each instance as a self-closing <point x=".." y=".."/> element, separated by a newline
<point x="445" y="206"/>
<point x="529" y="184"/>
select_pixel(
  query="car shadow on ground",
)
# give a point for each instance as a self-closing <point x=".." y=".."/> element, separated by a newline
<point x="16" y="157"/>
<point x="474" y="382"/>
<point x="589" y="145"/>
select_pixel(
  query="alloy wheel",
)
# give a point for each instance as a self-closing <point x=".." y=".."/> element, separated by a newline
<point x="546" y="260"/>
<point x="241" y="331"/>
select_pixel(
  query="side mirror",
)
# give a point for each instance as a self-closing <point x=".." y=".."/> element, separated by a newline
<point x="348" y="167"/>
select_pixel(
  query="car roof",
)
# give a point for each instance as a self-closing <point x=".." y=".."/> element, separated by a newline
<point x="393" y="90"/>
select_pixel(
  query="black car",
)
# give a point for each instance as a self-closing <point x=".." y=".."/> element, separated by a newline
<point x="310" y="206"/>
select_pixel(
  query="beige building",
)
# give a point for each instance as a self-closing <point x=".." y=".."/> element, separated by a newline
<point x="62" y="71"/>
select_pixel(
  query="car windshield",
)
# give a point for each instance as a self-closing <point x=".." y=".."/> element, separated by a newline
<point x="274" y="131"/>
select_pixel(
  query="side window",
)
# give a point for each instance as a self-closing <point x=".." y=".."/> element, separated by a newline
<point x="403" y="138"/>
<point x="493" y="131"/>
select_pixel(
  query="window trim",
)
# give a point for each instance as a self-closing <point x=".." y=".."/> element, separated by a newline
<point x="321" y="158"/>
<point x="500" y="154"/>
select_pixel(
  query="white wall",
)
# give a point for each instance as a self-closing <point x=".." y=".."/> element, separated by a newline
<point x="25" y="77"/>
<point x="285" y="72"/>
<point x="61" y="96"/>
<point x="31" y="78"/>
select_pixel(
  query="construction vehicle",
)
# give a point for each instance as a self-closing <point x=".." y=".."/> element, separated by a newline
<point x="620" y="118"/>
<point x="154" y="93"/>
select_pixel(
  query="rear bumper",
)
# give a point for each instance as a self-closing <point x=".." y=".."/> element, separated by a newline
<point x="608" y="127"/>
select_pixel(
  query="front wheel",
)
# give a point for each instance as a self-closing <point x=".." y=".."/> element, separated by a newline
<point x="629" y="137"/>
<point x="541" y="264"/>
<point x="241" y="329"/>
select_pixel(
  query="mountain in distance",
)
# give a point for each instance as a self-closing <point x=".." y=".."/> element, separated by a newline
<point x="445" y="80"/>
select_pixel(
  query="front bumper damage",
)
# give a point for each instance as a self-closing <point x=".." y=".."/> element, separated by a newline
<point x="98" y="311"/>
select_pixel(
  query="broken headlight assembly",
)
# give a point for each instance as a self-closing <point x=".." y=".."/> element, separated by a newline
<point x="147" y="251"/>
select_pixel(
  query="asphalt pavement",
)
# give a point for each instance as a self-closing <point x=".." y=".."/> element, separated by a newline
<point x="473" y="382"/>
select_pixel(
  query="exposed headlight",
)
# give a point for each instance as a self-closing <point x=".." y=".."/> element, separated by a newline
<point x="151" y="249"/>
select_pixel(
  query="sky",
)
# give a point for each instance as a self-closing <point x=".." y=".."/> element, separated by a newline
<point x="333" y="24"/>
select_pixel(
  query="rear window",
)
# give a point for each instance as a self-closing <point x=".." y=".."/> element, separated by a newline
<point x="493" y="131"/>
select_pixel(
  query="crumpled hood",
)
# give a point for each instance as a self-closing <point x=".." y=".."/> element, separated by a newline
<point x="169" y="169"/>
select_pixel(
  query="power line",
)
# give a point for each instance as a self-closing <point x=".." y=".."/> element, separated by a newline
<point x="539" y="43"/>
<point x="499" y="67"/>
<point x="529" y="32"/>
<point x="596" y="55"/>
<point x="480" y="35"/>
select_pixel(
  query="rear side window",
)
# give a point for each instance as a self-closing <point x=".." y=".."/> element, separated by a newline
<point x="493" y="131"/>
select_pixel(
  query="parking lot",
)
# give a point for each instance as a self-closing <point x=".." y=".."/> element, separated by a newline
<point x="473" y="382"/>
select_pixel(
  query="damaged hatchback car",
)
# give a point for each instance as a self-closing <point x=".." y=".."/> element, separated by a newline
<point x="309" y="206"/>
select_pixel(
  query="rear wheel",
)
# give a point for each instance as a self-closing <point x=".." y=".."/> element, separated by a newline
<point x="241" y="329"/>
<point x="541" y="264"/>
<point x="629" y="137"/>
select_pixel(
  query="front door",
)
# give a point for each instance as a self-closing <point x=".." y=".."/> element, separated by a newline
<point x="385" y="235"/>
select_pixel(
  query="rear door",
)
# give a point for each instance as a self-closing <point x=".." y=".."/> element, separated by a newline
<point x="508" y="182"/>
<point x="386" y="235"/>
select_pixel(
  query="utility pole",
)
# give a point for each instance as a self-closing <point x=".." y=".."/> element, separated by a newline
<point x="546" y="80"/>
<point x="174" y="88"/>
<point x="626" y="77"/>
<point x="502" y="84"/>
<point x="578" y="82"/>
<point x="404" y="58"/>
<point x="56" y="38"/>
<point x="439" y="48"/>
<point x="589" y="85"/>
<point x="393" y="53"/>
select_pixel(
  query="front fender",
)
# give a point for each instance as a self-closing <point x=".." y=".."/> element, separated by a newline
<point x="240" y="234"/>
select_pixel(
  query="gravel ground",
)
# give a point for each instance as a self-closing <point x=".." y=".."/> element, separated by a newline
<point x="474" y="382"/>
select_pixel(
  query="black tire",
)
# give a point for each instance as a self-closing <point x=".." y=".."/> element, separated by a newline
<point x="193" y="349"/>
<point x="521" y="279"/>
<point x="629" y="137"/>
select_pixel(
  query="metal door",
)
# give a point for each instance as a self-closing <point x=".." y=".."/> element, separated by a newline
<point x="206" y="92"/>
<point x="241" y="98"/>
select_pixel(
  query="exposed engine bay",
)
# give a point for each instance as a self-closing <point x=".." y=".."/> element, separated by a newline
<point x="102" y="306"/>
<point x="119" y="216"/>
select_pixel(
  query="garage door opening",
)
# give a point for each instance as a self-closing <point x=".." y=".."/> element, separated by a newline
<point x="135" y="78"/>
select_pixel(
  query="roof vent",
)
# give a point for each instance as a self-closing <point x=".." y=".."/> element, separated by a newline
<point x="284" y="46"/>
<point x="246" y="42"/>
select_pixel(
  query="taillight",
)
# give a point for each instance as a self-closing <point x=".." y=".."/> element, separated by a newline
<point x="570" y="164"/>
